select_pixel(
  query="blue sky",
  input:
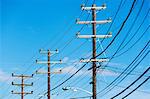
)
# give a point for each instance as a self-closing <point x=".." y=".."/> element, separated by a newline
<point x="29" y="25"/>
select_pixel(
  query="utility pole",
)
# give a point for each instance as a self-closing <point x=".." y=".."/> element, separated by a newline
<point x="94" y="8"/>
<point x="22" y="85"/>
<point x="48" y="62"/>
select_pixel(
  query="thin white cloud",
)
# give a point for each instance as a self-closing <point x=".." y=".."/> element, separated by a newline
<point x="65" y="59"/>
<point x="42" y="70"/>
<point x="72" y="70"/>
<point x="69" y="70"/>
<point x="113" y="64"/>
<point x="5" y="77"/>
<point x="107" y="72"/>
<point x="139" y="95"/>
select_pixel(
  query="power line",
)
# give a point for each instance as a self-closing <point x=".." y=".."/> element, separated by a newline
<point x="133" y="43"/>
<point x="132" y="83"/>
<point x="128" y="73"/>
<point x="66" y="32"/>
<point x="111" y="24"/>
<point x="119" y="29"/>
<point x="146" y="92"/>
<point x="125" y="38"/>
<point x="137" y="87"/>
<point x="125" y="68"/>
<point x="136" y="31"/>
<point x="136" y="73"/>
<point x="35" y="54"/>
<point x="102" y="51"/>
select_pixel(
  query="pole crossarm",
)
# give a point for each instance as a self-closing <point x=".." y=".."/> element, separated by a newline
<point x="22" y="85"/>
<point x="22" y="76"/>
<point x="38" y="72"/>
<point x="42" y="51"/>
<point x="94" y="60"/>
<point x="22" y="93"/>
<point x="94" y="36"/>
<point x="51" y="62"/>
<point x="94" y="7"/>
<point x="94" y="22"/>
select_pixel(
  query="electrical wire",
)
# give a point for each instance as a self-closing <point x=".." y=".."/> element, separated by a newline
<point x="127" y="74"/>
<point x="111" y="24"/>
<point x="102" y="81"/>
<point x="132" y="83"/>
<point x="119" y="29"/>
<point x="102" y="51"/>
<point x="133" y="43"/>
<point x="137" y="87"/>
<point x="124" y="21"/>
<point x="145" y="47"/>
<point x="137" y="29"/>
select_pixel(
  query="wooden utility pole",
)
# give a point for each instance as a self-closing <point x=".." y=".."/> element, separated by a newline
<point x="48" y="62"/>
<point x="48" y="75"/>
<point x="94" y="52"/>
<point x="94" y="36"/>
<point x="22" y="85"/>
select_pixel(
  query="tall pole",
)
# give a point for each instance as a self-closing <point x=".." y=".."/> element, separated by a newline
<point x="94" y="8"/>
<point x="94" y="52"/>
<point x="48" y="74"/>
<point x="22" y="87"/>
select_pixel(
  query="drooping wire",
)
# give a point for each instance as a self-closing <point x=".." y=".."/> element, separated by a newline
<point x="137" y="87"/>
<point x="132" y="83"/>
<point x="104" y="49"/>
<point x="132" y="63"/>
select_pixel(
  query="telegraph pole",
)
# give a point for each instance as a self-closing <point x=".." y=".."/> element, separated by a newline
<point x="94" y="8"/>
<point x="22" y="85"/>
<point x="48" y="62"/>
<point x="48" y="75"/>
<point x="94" y="52"/>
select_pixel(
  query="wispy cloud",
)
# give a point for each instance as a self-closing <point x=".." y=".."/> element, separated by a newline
<point x="112" y="64"/>
<point x="107" y="72"/>
<point x="71" y="70"/>
<point x="5" y="77"/>
<point x="139" y="95"/>
<point x="65" y="59"/>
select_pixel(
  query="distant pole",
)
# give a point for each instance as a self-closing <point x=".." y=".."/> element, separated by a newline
<point x="48" y="62"/>
<point x="48" y="74"/>
<point x="22" y="85"/>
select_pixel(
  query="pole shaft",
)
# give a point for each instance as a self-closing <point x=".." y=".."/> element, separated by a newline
<point x="22" y="87"/>
<point x="48" y="74"/>
<point x="94" y="52"/>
